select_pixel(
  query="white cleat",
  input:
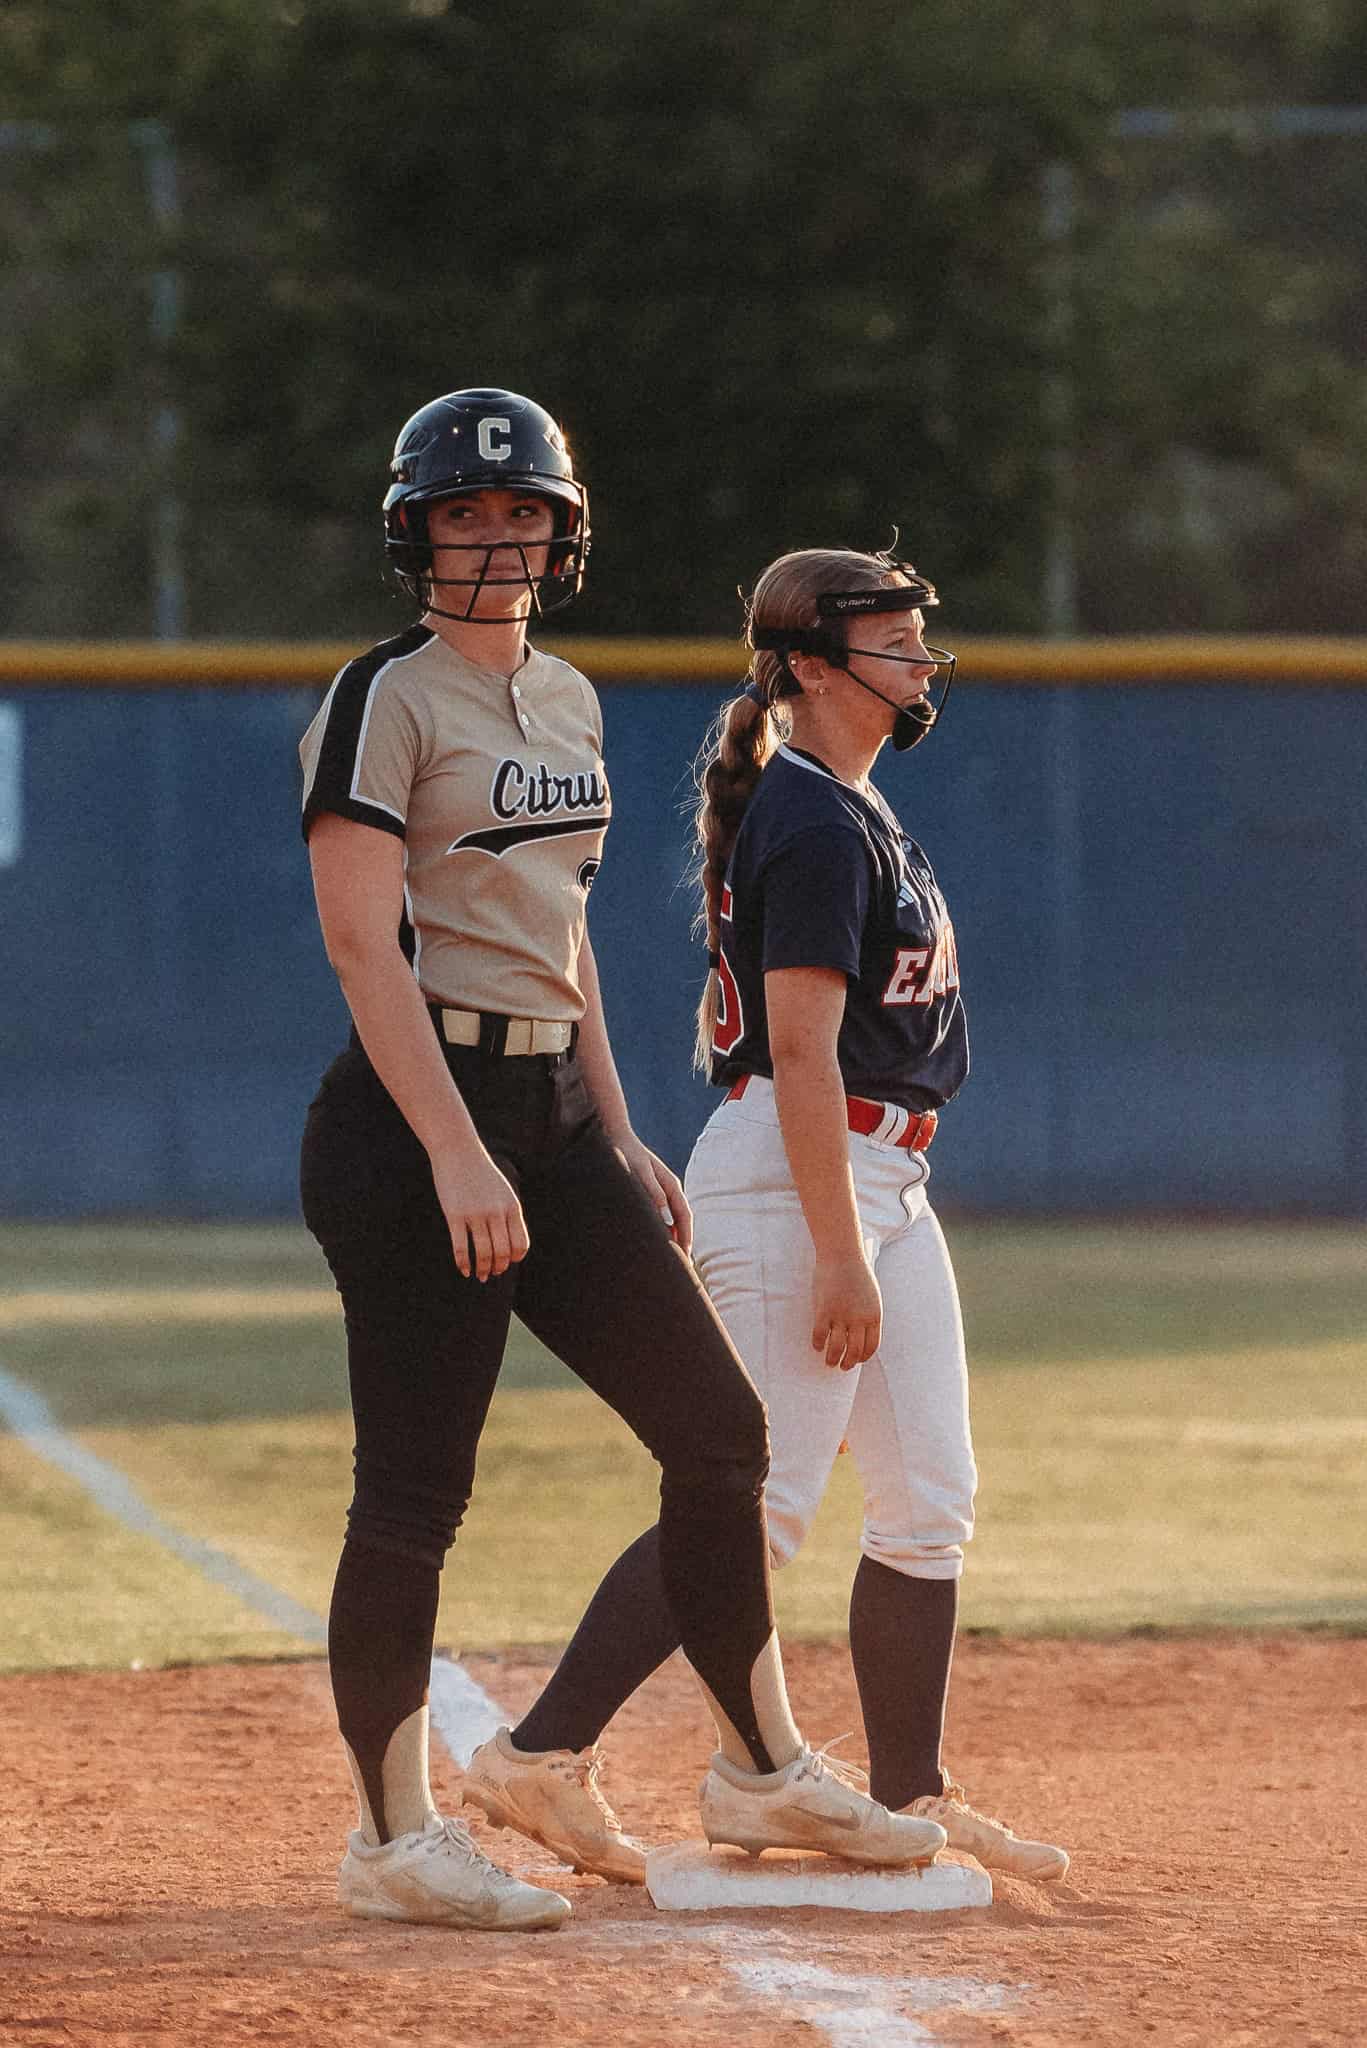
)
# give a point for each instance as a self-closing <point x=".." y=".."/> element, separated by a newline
<point x="991" y="1841"/>
<point x="553" y="1796"/>
<point x="807" y="1805"/>
<point x="438" y="1878"/>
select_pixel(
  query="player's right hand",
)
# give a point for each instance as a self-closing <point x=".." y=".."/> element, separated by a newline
<point x="483" y="1214"/>
<point x="847" y="1311"/>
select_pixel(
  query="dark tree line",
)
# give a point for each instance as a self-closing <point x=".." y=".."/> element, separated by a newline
<point x="785" y="276"/>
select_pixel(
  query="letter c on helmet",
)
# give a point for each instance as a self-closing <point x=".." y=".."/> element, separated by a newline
<point x="490" y="449"/>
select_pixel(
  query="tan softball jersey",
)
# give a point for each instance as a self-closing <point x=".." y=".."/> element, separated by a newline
<point x="496" y="787"/>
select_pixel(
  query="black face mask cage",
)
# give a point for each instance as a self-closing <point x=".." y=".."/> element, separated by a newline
<point x="829" y="640"/>
<point x="412" y="558"/>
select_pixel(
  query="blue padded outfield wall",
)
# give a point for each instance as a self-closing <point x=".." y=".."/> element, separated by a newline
<point x="1158" y="892"/>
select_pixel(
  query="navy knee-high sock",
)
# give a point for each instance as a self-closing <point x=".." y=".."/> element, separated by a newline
<point x="627" y="1632"/>
<point x="901" y="1645"/>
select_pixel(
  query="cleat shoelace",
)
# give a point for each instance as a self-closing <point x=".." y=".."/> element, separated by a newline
<point x="453" y="1836"/>
<point x="583" y="1771"/>
<point x="955" y="1795"/>
<point x="849" y="1774"/>
<point x="961" y="1798"/>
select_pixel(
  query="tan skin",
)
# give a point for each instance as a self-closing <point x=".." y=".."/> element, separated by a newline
<point x="358" y="880"/>
<point x="845" y="727"/>
<point x="496" y="636"/>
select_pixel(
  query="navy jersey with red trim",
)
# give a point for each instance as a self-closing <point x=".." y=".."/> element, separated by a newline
<point x="823" y="876"/>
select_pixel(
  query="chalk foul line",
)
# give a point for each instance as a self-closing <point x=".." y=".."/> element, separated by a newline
<point x="33" y="1422"/>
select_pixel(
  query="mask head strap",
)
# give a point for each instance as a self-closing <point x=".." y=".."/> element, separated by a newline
<point x="835" y="608"/>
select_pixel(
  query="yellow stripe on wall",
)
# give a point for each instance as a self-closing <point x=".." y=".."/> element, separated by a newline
<point x="296" y="664"/>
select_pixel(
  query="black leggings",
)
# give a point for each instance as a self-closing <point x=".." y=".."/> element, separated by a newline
<point x="605" y="1289"/>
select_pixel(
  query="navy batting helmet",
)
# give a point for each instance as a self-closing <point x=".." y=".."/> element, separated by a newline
<point x="478" y="440"/>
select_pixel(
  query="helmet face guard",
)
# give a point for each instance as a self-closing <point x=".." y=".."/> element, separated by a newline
<point x="479" y="440"/>
<point x="829" y="640"/>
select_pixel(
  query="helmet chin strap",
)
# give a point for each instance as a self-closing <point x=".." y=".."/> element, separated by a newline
<point x="914" y="720"/>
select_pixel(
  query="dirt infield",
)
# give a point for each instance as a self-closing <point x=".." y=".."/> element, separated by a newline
<point x="167" y="1866"/>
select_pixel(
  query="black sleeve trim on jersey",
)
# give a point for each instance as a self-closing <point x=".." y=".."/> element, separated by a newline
<point x="332" y="779"/>
<point x="319" y="806"/>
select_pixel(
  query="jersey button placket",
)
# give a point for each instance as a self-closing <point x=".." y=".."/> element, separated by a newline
<point x="523" y="720"/>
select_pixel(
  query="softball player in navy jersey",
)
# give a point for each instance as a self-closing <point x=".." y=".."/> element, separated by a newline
<point x="470" y="1154"/>
<point x="834" y="1022"/>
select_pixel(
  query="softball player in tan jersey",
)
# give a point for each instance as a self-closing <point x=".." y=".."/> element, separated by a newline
<point x="470" y="1153"/>
<point x="834" y="1022"/>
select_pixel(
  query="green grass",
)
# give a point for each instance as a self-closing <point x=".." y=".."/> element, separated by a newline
<point x="79" y="1589"/>
<point x="1171" y="1424"/>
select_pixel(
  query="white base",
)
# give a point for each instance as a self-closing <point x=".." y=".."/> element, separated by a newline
<point x="691" y="1878"/>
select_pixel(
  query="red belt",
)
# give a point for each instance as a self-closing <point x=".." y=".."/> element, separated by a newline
<point x="870" y="1118"/>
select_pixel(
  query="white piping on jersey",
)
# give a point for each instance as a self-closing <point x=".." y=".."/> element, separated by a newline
<point x="354" y="792"/>
<point x="811" y="767"/>
<point x="412" y="921"/>
<point x="829" y="773"/>
<point x="372" y="803"/>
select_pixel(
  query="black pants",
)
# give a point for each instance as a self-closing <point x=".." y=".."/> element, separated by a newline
<point x="603" y="1287"/>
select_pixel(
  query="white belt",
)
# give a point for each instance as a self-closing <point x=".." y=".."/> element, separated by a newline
<point x="525" y="1034"/>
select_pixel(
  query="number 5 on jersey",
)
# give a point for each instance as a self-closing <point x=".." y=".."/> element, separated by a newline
<point x="730" y="1025"/>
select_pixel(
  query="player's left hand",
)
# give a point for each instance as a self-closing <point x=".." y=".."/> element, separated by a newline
<point x="663" y="1187"/>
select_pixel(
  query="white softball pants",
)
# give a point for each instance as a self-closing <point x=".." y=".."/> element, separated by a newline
<point x="904" y="1412"/>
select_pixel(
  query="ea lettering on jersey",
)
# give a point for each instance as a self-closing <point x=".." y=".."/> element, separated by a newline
<point x="920" y="973"/>
<point x="519" y="794"/>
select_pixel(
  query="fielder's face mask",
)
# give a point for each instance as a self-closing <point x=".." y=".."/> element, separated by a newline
<point x="484" y="565"/>
<point x="829" y="639"/>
